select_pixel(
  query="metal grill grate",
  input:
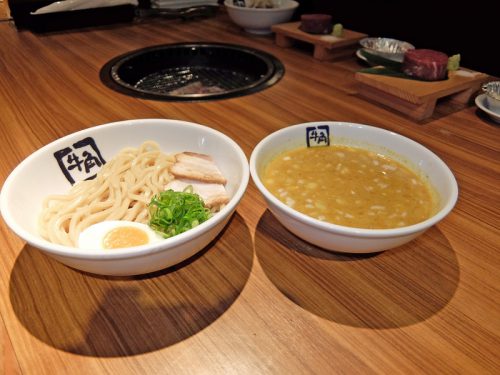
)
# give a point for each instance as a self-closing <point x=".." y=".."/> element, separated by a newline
<point x="173" y="79"/>
<point x="195" y="71"/>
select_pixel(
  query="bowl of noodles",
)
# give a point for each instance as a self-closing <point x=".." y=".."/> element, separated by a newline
<point x="352" y="188"/>
<point x="126" y="198"/>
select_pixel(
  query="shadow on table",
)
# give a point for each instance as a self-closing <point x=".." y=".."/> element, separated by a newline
<point x="391" y="289"/>
<point x="111" y="317"/>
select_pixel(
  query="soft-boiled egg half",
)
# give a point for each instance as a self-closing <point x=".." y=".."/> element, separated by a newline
<point x="117" y="234"/>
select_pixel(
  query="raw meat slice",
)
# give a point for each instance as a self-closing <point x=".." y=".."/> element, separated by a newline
<point x="425" y="64"/>
<point x="196" y="88"/>
<point x="316" y="23"/>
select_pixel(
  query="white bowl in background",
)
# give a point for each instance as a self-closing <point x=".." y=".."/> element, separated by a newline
<point x="481" y="102"/>
<point x="348" y="239"/>
<point x="39" y="175"/>
<point x="492" y="95"/>
<point x="260" y="20"/>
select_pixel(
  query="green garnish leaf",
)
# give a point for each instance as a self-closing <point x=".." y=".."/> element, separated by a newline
<point x="453" y="62"/>
<point x="338" y="30"/>
<point x="173" y="212"/>
<point x="383" y="71"/>
<point x="379" y="60"/>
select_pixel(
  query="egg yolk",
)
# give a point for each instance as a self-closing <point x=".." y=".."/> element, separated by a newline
<point x="124" y="237"/>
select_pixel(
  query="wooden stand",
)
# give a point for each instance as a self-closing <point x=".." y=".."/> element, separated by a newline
<point x="326" y="47"/>
<point x="4" y="11"/>
<point x="417" y="99"/>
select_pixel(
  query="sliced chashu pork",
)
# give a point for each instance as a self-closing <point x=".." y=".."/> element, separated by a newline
<point x="199" y="167"/>
<point x="214" y="195"/>
<point x="201" y="172"/>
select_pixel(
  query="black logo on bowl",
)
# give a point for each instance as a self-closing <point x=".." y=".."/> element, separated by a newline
<point x="318" y="136"/>
<point x="81" y="161"/>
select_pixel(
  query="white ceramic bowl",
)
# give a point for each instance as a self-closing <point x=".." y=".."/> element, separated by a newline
<point x="492" y="92"/>
<point x="347" y="239"/>
<point x="39" y="175"/>
<point x="260" y="20"/>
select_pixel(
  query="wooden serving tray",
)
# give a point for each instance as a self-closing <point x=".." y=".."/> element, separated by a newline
<point x="326" y="47"/>
<point x="417" y="99"/>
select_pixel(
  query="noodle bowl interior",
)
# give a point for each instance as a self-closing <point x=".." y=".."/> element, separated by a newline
<point x="350" y="186"/>
<point x="122" y="195"/>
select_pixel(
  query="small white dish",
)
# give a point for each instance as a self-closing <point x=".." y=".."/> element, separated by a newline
<point x="481" y="103"/>
<point x="492" y="91"/>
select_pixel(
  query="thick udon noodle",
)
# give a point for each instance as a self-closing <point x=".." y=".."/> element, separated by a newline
<point x="121" y="190"/>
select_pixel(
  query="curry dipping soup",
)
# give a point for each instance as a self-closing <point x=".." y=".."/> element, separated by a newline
<point x="350" y="186"/>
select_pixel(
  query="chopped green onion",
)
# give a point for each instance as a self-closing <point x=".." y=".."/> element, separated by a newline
<point x="173" y="212"/>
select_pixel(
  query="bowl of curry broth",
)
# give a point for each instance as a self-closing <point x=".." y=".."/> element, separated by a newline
<point x="351" y="187"/>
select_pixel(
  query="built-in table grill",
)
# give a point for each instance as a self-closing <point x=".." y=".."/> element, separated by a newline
<point x="192" y="71"/>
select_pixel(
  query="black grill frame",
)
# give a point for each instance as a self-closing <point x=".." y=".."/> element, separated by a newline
<point x="239" y="70"/>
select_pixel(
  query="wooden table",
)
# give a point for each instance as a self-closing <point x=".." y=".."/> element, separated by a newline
<point x="259" y="300"/>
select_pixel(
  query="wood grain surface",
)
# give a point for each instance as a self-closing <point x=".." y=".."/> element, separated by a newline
<point x="326" y="47"/>
<point x="257" y="300"/>
<point x="418" y="99"/>
<point x="4" y="10"/>
<point x="292" y="29"/>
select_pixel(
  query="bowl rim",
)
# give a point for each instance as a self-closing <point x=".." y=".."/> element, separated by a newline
<point x="403" y="44"/>
<point x="129" y="252"/>
<point x="290" y="4"/>
<point x="481" y="103"/>
<point x="345" y="230"/>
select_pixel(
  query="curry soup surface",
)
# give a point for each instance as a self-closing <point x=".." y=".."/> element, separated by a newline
<point x="350" y="186"/>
